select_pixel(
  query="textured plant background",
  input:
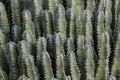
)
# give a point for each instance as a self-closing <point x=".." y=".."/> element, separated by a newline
<point x="59" y="39"/>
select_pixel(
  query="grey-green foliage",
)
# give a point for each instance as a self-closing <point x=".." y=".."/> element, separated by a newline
<point x="47" y="23"/>
<point x="4" y="25"/>
<point x="37" y="13"/>
<point x="46" y="62"/>
<point x="23" y="77"/>
<point x="116" y="67"/>
<point x="50" y="47"/>
<point x="75" y="73"/>
<point x="117" y="15"/>
<point x="3" y="51"/>
<point x="29" y="38"/>
<point x="100" y="26"/>
<point x="41" y="47"/>
<point x="104" y="53"/>
<point x="31" y="69"/>
<point x="108" y="15"/>
<point x="12" y="60"/>
<point x="27" y="35"/>
<point x="91" y="5"/>
<point x="27" y="22"/>
<point x="16" y="34"/>
<point x="16" y="13"/>
<point x="70" y="45"/>
<point x="68" y="78"/>
<point x="24" y="50"/>
<point x="26" y="5"/>
<point x="84" y="20"/>
<point x="3" y="75"/>
<point x="60" y="70"/>
<point x="60" y="23"/>
<point x="81" y="56"/>
<point x="89" y="29"/>
<point x="59" y="44"/>
<point x="78" y="7"/>
<point x="101" y="5"/>
<point x="71" y="23"/>
<point x="90" y="62"/>
<point x="49" y="5"/>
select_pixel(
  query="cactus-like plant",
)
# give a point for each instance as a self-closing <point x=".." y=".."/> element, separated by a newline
<point x="3" y="51"/>
<point x="47" y="23"/>
<point x="24" y="50"/>
<point x="71" y="23"/>
<point x="41" y="47"/>
<point x="28" y="24"/>
<point x="47" y="66"/>
<point x="37" y="13"/>
<point x="31" y="69"/>
<point x="59" y="39"/>
<point x="3" y="75"/>
<point x="75" y="73"/>
<point x="60" y="23"/>
<point x="80" y="55"/>
<point x="12" y="60"/>
<point x="89" y="30"/>
<point x="60" y="67"/>
<point x="108" y="15"/>
<point x="104" y="53"/>
<point x="90" y="63"/>
<point x="16" y="13"/>
<point x="4" y="25"/>
<point x="16" y="34"/>
<point x="115" y="68"/>
<point x="23" y="77"/>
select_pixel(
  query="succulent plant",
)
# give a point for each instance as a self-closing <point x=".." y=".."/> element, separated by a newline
<point x="59" y="39"/>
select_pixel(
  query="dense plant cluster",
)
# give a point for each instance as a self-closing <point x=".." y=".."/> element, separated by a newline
<point x="59" y="39"/>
